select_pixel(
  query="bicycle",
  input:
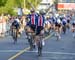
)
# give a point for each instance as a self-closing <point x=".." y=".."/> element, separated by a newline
<point x="64" y="29"/>
<point x="73" y="31"/>
<point x="39" y="42"/>
<point x="57" y="34"/>
<point x="14" y="34"/>
<point x="30" y="37"/>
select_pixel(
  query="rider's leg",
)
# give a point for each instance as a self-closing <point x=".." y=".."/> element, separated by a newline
<point x="59" y="31"/>
<point x="73" y="32"/>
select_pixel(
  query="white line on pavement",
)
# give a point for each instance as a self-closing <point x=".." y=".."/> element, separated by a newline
<point x="58" y="58"/>
<point x="10" y="51"/>
<point x="65" y="53"/>
<point x="25" y="50"/>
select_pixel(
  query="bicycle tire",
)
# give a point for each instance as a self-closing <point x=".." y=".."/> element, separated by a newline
<point x="64" y="29"/>
<point x="14" y="35"/>
<point x="39" y="48"/>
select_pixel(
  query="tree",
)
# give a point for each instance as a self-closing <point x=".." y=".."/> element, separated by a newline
<point x="2" y="2"/>
<point x="7" y="6"/>
<point x="32" y="3"/>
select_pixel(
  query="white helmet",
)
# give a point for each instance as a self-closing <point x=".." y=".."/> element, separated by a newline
<point x="17" y="20"/>
<point x="42" y="11"/>
<point x="56" y="15"/>
<point x="58" y="21"/>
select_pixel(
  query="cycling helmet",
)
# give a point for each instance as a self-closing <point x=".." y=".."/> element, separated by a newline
<point x="32" y="10"/>
<point x="58" y="20"/>
<point x="42" y="12"/>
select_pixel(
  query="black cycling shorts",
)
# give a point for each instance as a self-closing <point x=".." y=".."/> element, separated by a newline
<point x="58" y="25"/>
<point x="39" y="28"/>
<point x="68" y="21"/>
<point x="33" y="27"/>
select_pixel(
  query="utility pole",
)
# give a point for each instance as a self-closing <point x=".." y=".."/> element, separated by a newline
<point x="24" y="5"/>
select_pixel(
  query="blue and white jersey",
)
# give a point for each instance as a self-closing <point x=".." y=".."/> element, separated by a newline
<point x="50" y="21"/>
<point x="33" y="19"/>
<point x="15" y="23"/>
<point x="53" y="19"/>
<point x="64" y="21"/>
<point x="58" y="21"/>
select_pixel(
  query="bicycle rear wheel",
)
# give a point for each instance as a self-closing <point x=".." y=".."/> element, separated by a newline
<point x="64" y="29"/>
<point x="57" y="36"/>
<point x="14" y="35"/>
<point x="39" y="48"/>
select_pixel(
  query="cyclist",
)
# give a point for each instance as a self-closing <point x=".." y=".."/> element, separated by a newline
<point x="47" y="25"/>
<point x="15" y="29"/>
<point x="52" y="21"/>
<point x="40" y="32"/>
<point x="32" y="20"/>
<point x="16" y="23"/>
<point x="40" y="22"/>
<point x="58" y="27"/>
<point x="64" y="23"/>
<point x="68" y="21"/>
<point x="73" y="28"/>
<point x="33" y="17"/>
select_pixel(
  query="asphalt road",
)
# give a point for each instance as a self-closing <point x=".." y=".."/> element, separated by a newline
<point x="8" y="49"/>
<point x="64" y="49"/>
<point x="53" y="49"/>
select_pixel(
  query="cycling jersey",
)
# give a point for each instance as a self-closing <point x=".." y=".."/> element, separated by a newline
<point x="53" y="19"/>
<point x="64" y="22"/>
<point x="58" y="23"/>
<point x="16" y="24"/>
<point x="32" y="21"/>
<point x="73" y="23"/>
<point x="32" y="18"/>
<point x="68" y="19"/>
<point x="40" y="24"/>
<point x="50" y="21"/>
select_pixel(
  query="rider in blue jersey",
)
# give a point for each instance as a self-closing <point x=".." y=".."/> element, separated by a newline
<point x="33" y="17"/>
<point x="40" y="22"/>
<point x="64" y="21"/>
<point x="16" y="23"/>
<point x="73" y="28"/>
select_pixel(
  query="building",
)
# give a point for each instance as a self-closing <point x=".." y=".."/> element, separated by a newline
<point x="66" y="1"/>
<point x="45" y="4"/>
<point x="66" y="5"/>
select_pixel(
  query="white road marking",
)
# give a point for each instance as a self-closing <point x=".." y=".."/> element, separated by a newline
<point x="61" y="53"/>
<point x="9" y="51"/>
<point x="55" y="57"/>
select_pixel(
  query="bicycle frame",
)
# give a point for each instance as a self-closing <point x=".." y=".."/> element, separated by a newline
<point x="14" y="34"/>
